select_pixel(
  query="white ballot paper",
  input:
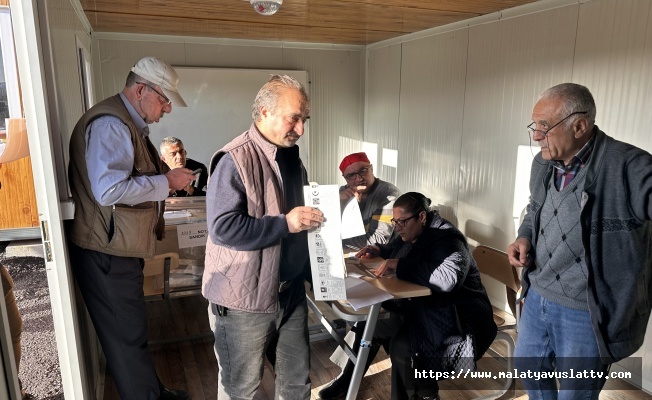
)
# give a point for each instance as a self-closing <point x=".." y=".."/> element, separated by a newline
<point x="325" y="243"/>
<point x="352" y="224"/>
<point x="363" y="294"/>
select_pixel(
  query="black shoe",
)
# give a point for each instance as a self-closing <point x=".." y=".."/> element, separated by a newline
<point x="337" y="388"/>
<point x="174" y="394"/>
<point x="431" y="397"/>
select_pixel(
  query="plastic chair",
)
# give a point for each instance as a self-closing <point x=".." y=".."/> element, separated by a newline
<point x="495" y="264"/>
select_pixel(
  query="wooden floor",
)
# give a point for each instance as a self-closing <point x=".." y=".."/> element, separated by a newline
<point x="191" y="365"/>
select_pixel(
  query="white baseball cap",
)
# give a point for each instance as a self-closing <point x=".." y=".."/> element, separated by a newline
<point x="161" y="74"/>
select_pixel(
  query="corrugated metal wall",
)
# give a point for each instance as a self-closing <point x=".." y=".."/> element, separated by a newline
<point x="466" y="96"/>
<point x="336" y="82"/>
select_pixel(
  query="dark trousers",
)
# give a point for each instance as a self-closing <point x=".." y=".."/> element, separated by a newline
<point x="404" y="383"/>
<point x="112" y="288"/>
<point x="393" y="334"/>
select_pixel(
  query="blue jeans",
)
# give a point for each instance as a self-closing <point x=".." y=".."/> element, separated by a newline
<point x="556" y="338"/>
<point x="244" y="339"/>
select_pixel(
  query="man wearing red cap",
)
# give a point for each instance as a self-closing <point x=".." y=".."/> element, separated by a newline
<point x="375" y="198"/>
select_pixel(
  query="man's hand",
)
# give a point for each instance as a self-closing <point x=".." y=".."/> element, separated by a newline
<point x="351" y="192"/>
<point x="518" y="252"/>
<point x="303" y="218"/>
<point x="179" y="178"/>
<point x="190" y="189"/>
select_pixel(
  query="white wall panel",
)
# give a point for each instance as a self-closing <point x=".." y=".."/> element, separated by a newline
<point x="61" y="67"/>
<point x="382" y="107"/>
<point x="337" y="105"/>
<point x="336" y="83"/>
<point x="614" y="60"/>
<point x="433" y="76"/>
<point x="510" y="63"/>
<point x="603" y="44"/>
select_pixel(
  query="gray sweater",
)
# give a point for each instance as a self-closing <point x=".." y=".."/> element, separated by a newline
<point x="615" y="218"/>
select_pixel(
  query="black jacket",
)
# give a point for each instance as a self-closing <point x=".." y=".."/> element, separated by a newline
<point x="440" y="259"/>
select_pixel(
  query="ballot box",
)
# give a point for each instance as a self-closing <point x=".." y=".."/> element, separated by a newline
<point x="185" y="234"/>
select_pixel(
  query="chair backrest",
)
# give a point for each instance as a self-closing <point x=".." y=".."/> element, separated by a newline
<point x="494" y="263"/>
<point x="155" y="282"/>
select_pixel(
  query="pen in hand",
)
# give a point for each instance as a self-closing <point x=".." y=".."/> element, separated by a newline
<point x="368" y="252"/>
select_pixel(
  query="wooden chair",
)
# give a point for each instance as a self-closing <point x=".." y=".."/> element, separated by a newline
<point x="157" y="275"/>
<point x="495" y="264"/>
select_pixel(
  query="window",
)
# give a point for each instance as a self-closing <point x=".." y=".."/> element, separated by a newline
<point x="9" y="93"/>
<point x="84" y="65"/>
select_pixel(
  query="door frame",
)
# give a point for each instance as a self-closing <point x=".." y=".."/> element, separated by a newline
<point x="60" y="281"/>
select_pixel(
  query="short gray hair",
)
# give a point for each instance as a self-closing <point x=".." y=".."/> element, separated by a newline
<point x="575" y="98"/>
<point x="169" y="141"/>
<point x="268" y="95"/>
<point x="133" y="78"/>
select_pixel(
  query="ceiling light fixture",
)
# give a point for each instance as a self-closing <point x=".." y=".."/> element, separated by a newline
<point x="266" y="7"/>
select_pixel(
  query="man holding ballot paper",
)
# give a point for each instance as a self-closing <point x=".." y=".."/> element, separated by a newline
<point x="258" y="249"/>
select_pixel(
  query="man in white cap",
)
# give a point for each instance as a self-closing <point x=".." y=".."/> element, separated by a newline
<point x="119" y="192"/>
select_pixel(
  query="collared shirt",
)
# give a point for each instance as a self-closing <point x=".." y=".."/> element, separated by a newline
<point x="564" y="174"/>
<point x="110" y="161"/>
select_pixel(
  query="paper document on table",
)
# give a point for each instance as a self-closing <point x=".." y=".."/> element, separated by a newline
<point x="361" y="294"/>
<point x="352" y="224"/>
<point x="325" y="244"/>
<point x="176" y="214"/>
<point x="358" y="270"/>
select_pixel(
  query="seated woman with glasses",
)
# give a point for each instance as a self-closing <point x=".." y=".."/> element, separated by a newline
<point x="428" y="250"/>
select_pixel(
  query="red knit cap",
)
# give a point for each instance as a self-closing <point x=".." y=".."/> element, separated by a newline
<point x="353" y="158"/>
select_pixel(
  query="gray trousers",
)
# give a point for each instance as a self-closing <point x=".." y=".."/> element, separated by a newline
<point x="244" y="339"/>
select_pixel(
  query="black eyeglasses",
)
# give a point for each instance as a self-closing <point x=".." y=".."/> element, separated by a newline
<point x="531" y="128"/>
<point x="166" y="101"/>
<point x="361" y="173"/>
<point x="402" y="222"/>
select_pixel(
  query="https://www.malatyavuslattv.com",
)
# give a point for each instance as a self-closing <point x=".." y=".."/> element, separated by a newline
<point x="516" y="374"/>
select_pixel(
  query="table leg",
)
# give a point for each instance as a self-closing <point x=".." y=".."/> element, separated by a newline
<point x="363" y="353"/>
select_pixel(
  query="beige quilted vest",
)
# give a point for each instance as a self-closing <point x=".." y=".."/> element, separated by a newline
<point x="248" y="280"/>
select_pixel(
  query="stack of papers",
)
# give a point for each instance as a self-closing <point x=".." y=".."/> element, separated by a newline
<point x="176" y="214"/>
<point x="362" y="294"/>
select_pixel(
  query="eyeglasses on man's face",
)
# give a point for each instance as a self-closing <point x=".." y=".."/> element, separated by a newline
<point x="162" y="98"/>
<point x="361" y="173"/>
<point x="403" y="222"/>
<point x="532" y="127"/>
